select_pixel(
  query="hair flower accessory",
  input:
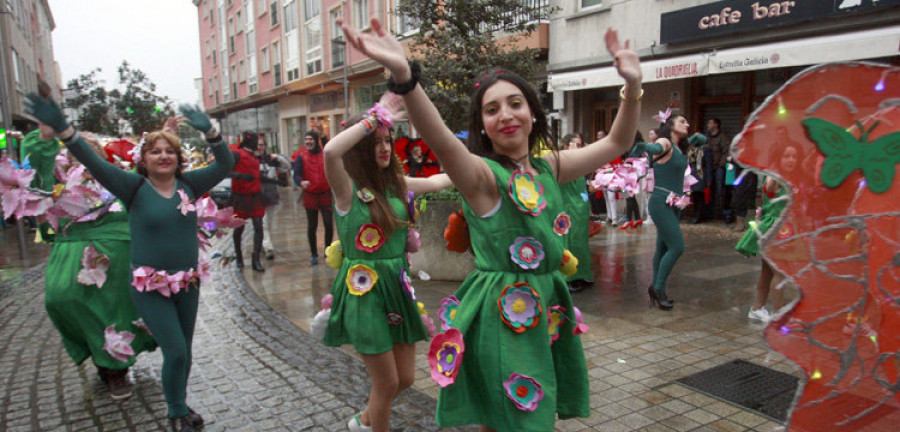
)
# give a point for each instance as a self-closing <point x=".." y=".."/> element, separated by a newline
<point x="520" y="307"/>
<point x="663" y="116"/>
<point x="524" y="391"/>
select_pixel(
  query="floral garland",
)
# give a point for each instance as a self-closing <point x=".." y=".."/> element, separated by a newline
<point x="148" y="279"/>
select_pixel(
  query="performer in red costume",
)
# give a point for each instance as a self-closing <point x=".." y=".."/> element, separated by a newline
<point x="246" y="196"/>
<point x="309" y="174"/>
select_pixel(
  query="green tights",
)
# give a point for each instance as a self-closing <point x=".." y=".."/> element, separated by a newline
<point x="669" y="241"/>
<point x="171" y="321"/>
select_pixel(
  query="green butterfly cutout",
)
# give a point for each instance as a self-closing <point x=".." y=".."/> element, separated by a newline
<point x="845" y="154"/>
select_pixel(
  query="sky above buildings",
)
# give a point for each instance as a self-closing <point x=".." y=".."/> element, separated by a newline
<point x="159" y="37"/>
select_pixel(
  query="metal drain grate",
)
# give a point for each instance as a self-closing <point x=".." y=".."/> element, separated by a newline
<point x="751" y="386"/>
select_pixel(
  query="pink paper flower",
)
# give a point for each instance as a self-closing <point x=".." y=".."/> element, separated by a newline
<point x="186" y="206"/>
<point x="429" y="325"/>
<point x="413" y="243"/>
<point x="118" y="344"/>
<point x="206" y="209"/>
<point x="527" y="252"/>
<point x="93" y="267"/>
<point x="689" y="180"/>
<point x="369" y="238"/>
<point x="140" y="278"/>
<point x="524" y="391"/>
<point x="447" y="312"/>
<point x="580" y="326"/>
<point x="678" y="201"/>
<point x="663" y="116"/>
<point x="445" y="356"/>
<point x="326" y="301"/>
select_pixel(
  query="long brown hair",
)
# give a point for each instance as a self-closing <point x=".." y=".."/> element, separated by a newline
<point x="363" y="169"/>
<point x="170" y="138"/>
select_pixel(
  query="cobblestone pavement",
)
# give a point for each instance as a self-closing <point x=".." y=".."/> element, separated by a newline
<point x="253" y="371"/>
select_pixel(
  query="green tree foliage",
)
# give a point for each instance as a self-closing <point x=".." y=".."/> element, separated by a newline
<point x="458" y="40"/>
<point x="93" y="102"/>
<point x="138" y="104"/>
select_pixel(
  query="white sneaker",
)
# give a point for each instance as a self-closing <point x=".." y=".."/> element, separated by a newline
<point x="354" y="425"/>
<point x="760" y="314"/>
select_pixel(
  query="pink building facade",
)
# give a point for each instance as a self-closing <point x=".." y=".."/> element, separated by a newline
<point x="277" y="66"/>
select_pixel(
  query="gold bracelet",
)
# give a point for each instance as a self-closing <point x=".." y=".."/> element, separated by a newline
<point x="625" y="99"/>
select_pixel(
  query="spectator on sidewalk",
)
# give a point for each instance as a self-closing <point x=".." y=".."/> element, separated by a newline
<point x="273" y="172"/>
<point x="700" y="162"/>
<point x="247" y="197"/>
<point x="309" y="174"/>
<point x="720" y="146"/>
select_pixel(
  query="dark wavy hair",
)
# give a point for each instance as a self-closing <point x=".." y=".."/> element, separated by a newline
<point x="361" y="166"/>
<point x="480" y="144"/>
<point x="665" y="131"/>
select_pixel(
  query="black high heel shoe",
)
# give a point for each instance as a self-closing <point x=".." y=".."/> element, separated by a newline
<point x="660" y="299"/>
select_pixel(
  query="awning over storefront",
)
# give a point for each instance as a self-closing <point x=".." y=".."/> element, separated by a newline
<point x="883" y="42"/>
<point x="654" y="70"/>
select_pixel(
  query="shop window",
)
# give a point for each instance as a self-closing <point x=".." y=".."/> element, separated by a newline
<point x="590" y="3"/>
<point x="724" y="84"/>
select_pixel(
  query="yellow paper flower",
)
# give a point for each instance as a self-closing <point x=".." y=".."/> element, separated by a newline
<point x="334" y="255"/>
<point x="569" y="263"/>
<point x="370" y="238"/>
<point x="527" y="193"/>
<point x="361" y="279"/>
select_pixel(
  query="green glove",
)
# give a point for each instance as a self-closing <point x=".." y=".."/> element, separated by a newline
<point x="45" y="111"/>
<point x="196" y="118"/>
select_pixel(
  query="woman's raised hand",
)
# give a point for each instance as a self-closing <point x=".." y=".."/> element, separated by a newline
<point x="380" y="46"/>
<point x="195" y="117"/>
<point x="394" y="104"/>
<point x="627" y="62"/>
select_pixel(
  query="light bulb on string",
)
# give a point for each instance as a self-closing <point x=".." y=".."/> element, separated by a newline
<point x="781" y="109"/>
<point x="880" y="85"/>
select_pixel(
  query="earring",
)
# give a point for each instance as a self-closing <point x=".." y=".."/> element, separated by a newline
<point x="534" y="119"/>
<point x="482" y="132"/>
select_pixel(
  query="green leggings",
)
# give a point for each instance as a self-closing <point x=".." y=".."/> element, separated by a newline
<point x="669" y="241"/>
<point x="171" y="321"/>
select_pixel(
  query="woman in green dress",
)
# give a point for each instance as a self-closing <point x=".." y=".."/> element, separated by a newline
<point x="578" y="212"/>
<point x="164" y="247"/>
<point x="774" y="202"/>
<point x="509" y="358"/>
<point x="374" y="307"/>
<point x="87" y="280"/>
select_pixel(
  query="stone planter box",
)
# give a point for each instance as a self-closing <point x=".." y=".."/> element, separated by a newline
<point x="433" y="257"/>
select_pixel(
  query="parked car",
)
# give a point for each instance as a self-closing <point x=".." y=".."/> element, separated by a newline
<point x="221" y="193"/>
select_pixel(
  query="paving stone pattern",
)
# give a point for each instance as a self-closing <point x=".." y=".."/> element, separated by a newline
<point x="253" y="371"/>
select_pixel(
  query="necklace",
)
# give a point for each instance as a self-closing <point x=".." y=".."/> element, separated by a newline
<point x="519" y="161"/>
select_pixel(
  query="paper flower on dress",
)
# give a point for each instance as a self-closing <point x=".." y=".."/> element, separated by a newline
<point x="370" y="238"/>
<point x="555" y="319"/>
<point x="520" y="307"/>
<point x="457" y="233"/>
<point x="139" y="323"/>
<point x="580" y="326"/>
<point x="365" y="195"/>
<point x="447" y="312"/>
<point x="445" y="356"/>
<point x="663" y="116"/>
<point x="186" y="206"/>
<point x="527" y="252"/>
<point x="562" y="224"/>
<point x="413" y="242"/>
<point x="689" y="180"/>
<point x="524" y="391"/>
<point x="93" y="267"/>
<point x="326" y="301"/>
<point x="394" y="318"/>
<point x="17" y="198"/>
<point x="206" y="209"/>
<point x="620" y="178"/>
<point x="118" y="344"/>
<point x="361" y="279"/>
<point x="569" y="264"/>
<point x="406" y="283"/>
<point x="678" y="201"/>
<point x="334" y="255"/>
<point x="527" y="193"/>
<point x="426" y="320"/>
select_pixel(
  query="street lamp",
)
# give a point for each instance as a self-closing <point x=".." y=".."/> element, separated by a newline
<point x="343" y="43"/>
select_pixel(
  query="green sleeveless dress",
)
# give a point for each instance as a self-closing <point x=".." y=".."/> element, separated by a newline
<point x="371" y="309"/>
<point x="522" y="364"/>
<point x="577" y="207"/>
<point x="771" y="211"/>
<point x="81" y="313"/>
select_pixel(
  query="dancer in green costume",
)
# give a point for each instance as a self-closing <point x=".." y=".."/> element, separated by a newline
<point x="575" y="197"/>
<point x="500" y="363"/>
<point x="774" y="203"/>
<point x="83" y="313"/>
<point x="374" y="307"/>
<point x="669" y="163"/>
<point x="164" y="237"/>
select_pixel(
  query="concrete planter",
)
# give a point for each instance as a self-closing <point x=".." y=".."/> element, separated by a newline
<point x="433" y="257"/>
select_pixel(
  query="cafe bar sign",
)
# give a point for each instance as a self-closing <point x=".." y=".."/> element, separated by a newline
<point x="737" y="16"/>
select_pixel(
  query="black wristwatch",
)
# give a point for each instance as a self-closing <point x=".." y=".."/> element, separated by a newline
<point x="403" y="88"/>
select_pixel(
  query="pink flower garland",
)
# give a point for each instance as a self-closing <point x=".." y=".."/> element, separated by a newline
<point x="146" y="279"/>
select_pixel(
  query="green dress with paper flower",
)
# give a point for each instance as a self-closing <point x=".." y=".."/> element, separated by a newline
<point x="522" y="362"/>
<point x="87" y="297"/>
<point x="374" y="305"/>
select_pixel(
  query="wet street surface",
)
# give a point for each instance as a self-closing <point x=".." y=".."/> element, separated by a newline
<point x="257" y="369"/>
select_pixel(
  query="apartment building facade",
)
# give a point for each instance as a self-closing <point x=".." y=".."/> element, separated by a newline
<point x="706" y="58"/>
<point x="26" y="57"/>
